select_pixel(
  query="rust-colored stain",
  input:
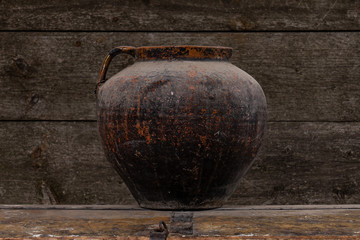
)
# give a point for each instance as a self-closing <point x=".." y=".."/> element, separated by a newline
<point x="188" y="109"/>
<point x="191" y="87"/>
<point x="193" y="74"/>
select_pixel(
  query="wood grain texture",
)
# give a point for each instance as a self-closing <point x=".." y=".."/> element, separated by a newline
<point x="53" y="163"/>
<point x="181" y="15"/>
<point x="62" y="163"/>
<point x="237" y="223"/>
<point x="305" y="76"/>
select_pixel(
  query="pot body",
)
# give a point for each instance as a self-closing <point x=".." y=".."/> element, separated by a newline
<point x="181" y="132"/>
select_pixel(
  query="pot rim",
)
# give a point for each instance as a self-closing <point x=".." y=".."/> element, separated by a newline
<point x="190" y="52"/>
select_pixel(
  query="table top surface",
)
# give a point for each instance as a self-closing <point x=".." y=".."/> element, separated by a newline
<point x="132" y="222"/>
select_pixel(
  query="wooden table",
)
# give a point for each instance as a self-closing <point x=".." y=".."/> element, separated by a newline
<point x="131" y="222"/>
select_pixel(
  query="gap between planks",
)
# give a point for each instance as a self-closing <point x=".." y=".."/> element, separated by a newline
<point x="93" y="120"/>
<point x="180" y="31"/>
<point x="136" y="208"/>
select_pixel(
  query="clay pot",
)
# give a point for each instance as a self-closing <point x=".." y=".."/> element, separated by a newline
<point x="181" y="125"/>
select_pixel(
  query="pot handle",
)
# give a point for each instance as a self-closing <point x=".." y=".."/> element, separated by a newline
<point x="105" y="65"/>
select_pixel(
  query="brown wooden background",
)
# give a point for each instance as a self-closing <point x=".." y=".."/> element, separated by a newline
<point x="305" y="54"/>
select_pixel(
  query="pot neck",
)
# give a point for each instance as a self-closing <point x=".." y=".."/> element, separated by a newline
<point x="182" y="52"/>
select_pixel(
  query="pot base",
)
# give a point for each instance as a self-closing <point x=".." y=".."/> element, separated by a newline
<point x="176" y="206"/>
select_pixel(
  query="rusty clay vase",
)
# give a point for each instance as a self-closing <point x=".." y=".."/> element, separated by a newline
<point x="181" y="125"/>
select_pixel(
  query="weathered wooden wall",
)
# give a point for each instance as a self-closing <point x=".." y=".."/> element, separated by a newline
<point x="305" y="54"/>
